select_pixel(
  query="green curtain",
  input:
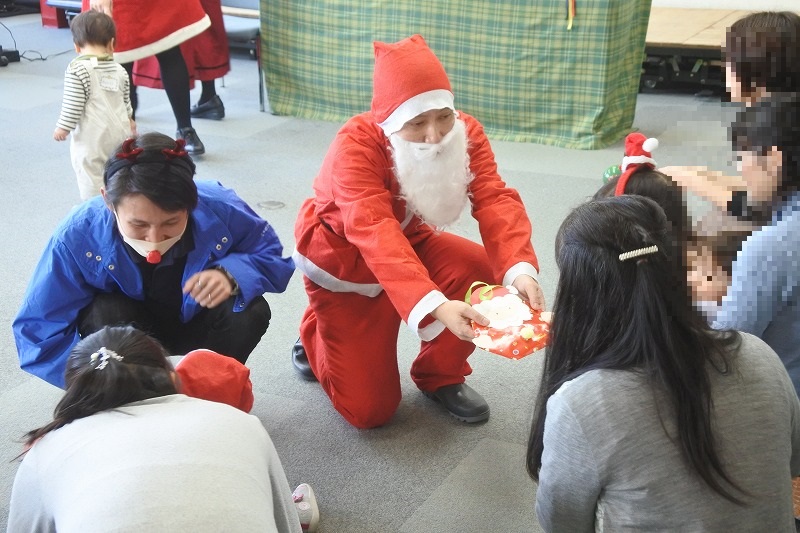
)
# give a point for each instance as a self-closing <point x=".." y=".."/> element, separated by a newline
<point x="514" y="65"/>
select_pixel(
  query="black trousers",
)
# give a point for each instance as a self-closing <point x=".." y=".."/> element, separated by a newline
<point x="218" y="329"/>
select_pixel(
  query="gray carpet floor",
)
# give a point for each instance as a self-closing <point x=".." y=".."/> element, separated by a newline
<point x="424" y="471"/>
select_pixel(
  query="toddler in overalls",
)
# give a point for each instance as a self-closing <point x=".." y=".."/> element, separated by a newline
<point x="96" y="107"/>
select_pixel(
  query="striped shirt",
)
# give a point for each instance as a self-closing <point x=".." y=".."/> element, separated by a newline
<point x="77" y="88"/>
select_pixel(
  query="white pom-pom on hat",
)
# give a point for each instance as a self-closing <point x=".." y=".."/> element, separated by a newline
<point x="638" y="149"/>
<point x="650" y="144"/>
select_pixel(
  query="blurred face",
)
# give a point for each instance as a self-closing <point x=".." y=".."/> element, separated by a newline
<point x="762" y="173"/>
<point x="707" y="279"/>
<point x="733" y="84"/>
<point x="736" y="92"/>
<point x="141" y="219"/>
<point x="428" y="127"/>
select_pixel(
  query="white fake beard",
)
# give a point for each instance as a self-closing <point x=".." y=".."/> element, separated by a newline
<point x="433" y="178"/>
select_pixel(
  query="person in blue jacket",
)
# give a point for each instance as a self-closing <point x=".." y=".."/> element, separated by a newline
<point x="764" y="295"/>
<point x="187" y="262"/>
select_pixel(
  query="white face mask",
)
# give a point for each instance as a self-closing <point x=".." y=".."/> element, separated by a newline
<point x="152" y="251"/>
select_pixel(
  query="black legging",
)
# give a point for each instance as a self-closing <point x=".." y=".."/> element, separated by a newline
<point x="175" y="77"/>
<point x="209" y="91"/>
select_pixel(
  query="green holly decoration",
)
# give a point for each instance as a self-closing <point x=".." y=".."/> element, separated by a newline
<point x="611" y="173"/>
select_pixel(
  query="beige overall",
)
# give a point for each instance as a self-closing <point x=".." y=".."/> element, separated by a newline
<point x="104" y="125"/>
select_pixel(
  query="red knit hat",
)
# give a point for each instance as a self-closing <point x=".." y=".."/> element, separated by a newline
<point x="638" y="150"/>
<point x="408" y="80"/>
<point x="210" y="376"/>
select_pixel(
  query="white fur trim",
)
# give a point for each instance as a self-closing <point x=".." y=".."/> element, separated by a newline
<point x="431" y="331"/>
<point x="424" y="307"/>
<point x="327" y="281"/>
<point x="170" y="41"/>
<point x="518" y="270"/>
<point x="650" y="144"/>
<point x="435" y="99"/>
<point x="636" y="160"/>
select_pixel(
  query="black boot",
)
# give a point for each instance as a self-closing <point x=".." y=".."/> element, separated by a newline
<point x="461" y="401"/>
<point x="193" y="143"/>
<point x="212" y="109"/>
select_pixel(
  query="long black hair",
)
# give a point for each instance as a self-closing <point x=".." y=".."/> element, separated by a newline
<point x="634" y="315"/>
<point x="108" y="369"/>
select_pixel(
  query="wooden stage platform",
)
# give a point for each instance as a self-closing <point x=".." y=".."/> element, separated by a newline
<point x="692" y="29"/>
<point x="683" y="48"/>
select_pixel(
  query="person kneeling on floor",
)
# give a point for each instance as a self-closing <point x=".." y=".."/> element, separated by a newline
<point x="371" y="245"/>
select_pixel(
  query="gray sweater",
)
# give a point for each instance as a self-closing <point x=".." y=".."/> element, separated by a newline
<point x="608" y="464"/>
<point x="167" y="464"/>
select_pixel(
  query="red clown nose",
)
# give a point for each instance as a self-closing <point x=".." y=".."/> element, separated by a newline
<point x="154" y="257"/>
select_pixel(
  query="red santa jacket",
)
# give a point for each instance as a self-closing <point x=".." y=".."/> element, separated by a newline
<point x="207" y="56"/>
<point x="148" y="27"/>
<point x="356" y="235"/>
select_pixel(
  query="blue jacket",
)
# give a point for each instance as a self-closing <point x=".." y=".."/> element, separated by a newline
<point x="86" y="256"/>
<point x="764" y="296"/>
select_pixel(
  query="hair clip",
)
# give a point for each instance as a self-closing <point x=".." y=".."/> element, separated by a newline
<point x="636" y="253"/>
<point x="103" y="354"/>
<point x="128" y="152"/>
<point x="178" y="151"/>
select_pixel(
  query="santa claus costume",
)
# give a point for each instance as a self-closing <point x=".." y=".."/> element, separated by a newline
<point x="370" y="257"/>
<point x="207" y="56"/>
<point x="147" y="27"/>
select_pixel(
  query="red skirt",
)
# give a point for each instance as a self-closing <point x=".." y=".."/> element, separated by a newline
<point x="148" y="27"/>
<point x="207" y="56"/>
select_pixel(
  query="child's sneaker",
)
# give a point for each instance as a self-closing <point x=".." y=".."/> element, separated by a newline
<point x="306" y="504"/>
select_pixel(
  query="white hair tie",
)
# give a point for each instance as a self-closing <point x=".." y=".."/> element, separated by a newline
<point x="637" y="253"/>
<point x="103" y="354"/>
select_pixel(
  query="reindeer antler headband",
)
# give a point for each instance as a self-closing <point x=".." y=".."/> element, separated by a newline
<point x="130" y="156"/>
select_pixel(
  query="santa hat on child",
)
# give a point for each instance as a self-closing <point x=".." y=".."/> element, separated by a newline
<point x="408" y="80"/>
<point x="638" y="150"/>
<point x="210" y="376"/>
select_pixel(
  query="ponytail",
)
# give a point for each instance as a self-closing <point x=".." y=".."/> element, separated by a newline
<point x="110" y="368"/>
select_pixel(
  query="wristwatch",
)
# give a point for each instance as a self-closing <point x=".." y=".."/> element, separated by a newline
<point x="235" y="289"/>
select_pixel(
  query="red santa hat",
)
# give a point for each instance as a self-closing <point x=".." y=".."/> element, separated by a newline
<point x="638" y="150"/>
<point x="408" y="80"/>
<point x="210" y="376"/>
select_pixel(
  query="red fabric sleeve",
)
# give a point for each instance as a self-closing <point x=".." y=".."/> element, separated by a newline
<point x="365" y="190"/>
<point x="503" y="222"/>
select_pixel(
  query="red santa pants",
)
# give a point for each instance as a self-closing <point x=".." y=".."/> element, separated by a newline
<point x="351" y="340"/>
